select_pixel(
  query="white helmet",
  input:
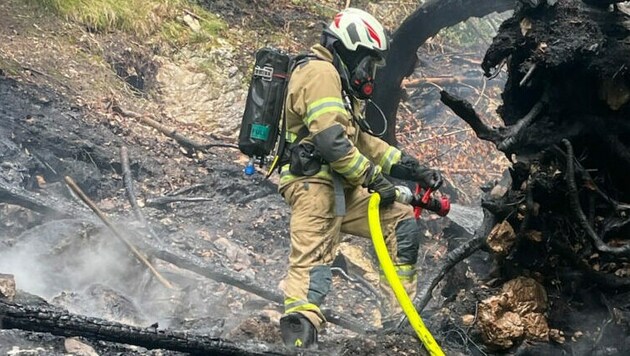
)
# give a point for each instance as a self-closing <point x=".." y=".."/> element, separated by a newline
<point x="356" y="28"/>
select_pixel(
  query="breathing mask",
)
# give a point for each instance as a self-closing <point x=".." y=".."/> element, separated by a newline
<point x="362" y="78"/>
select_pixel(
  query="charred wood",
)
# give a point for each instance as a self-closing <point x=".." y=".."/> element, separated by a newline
<point x="44" y="318"/>
<point x="578" y="213"/>
<point x="158" y="202"/>
<point x="188" y="144"/>
<point x="48" y="205"/>
<point x="425" y="22"/>
<point x="451" y="259"/>
<point x="465" y="110"/>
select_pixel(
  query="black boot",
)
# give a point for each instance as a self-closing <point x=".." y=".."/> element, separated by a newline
<point x="298" y="331"/>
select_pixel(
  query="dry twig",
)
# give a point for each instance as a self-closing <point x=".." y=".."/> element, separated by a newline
<point x="75" y="188"/>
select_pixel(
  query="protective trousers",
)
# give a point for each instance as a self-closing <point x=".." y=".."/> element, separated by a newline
<point x="315" y="236"/>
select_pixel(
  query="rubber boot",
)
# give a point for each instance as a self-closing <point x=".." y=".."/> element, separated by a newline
<point x="298" y="331"/>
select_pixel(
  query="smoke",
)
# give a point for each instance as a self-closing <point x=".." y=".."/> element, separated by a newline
<point x="64" y="255"/>
<point x="86" y="270"/>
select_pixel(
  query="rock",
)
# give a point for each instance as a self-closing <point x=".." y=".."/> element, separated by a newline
<point x="557" y="336"/>
<point x="7" y="286"/>
<point x="468" y="319"/>
<point x="192" y="23"/>
<point x="103" y="302"/>
<point x="75" y="347"/>
<point x="498" y="191"/>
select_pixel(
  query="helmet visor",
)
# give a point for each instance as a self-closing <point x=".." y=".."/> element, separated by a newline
<point x="370" y="64"/>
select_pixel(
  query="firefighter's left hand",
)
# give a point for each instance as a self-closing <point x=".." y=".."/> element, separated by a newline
<point x="409" y="168"/>
<point x="428" y="177"/>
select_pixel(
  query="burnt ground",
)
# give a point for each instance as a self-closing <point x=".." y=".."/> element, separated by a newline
<point x="52" y="127"/>
<point x="78" y="264"/>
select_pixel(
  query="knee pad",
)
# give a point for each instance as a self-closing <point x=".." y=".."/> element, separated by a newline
<point x="408" y="239"/>
<point x="320" y="283"/>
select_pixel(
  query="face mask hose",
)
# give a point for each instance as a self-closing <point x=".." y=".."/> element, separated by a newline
<point x="387" y="265"/>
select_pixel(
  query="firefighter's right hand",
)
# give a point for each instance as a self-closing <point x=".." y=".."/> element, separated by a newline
<point x="376" y="182"/>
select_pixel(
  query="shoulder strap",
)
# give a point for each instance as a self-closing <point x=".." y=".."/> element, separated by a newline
<point x="295" y="62"/>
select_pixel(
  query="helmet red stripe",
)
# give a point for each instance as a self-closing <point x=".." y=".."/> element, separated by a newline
<point x="372" y="33"/>
<point x="338" y="19"/>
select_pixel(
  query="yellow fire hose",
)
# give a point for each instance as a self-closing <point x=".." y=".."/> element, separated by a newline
<point x="387" y="265"/>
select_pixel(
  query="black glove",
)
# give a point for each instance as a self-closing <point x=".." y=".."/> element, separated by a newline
<point x="376" y="182"/>
<point x="408" y="168"/>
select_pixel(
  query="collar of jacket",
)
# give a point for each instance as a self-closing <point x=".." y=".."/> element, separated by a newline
<point x="322" y="53"/>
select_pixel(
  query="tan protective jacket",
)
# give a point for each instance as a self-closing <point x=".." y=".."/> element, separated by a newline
<point x="315" y="99"/>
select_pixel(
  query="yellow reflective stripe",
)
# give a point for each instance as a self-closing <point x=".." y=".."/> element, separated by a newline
<point x="292" y="305"/>
<point x="405" y="272"/>
<point x="391" y="155"/>
<point x="286" y="176"/>
<point x="323" y="106"/>
<point x="288" y="301"/>
<point x="405" y="268"/>
<point x="290" y="136"/>
<point x="355" y="167"/>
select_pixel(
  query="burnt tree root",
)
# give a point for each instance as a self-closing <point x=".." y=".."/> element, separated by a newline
<point x="42" y="318"/>
<point x="566" y="129"/>
<point x="451" y="259"/>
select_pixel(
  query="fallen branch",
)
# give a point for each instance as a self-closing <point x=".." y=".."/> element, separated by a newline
<point x="75" y="188"/>
<point x="578" y="213"/>
<point x="129" y="189"/>
<point x="160" y="201"/>
<point x="442" y="81"/>
<point x="451" y="259"/>
<point x="44" y="318"/>
<point x="221" y="274"/>
<point x="45" y="204"/>
<point x="131" y="193"/>
<point x="169" y="132"/>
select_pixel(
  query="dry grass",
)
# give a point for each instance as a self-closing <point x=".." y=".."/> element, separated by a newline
<point x="141" y="17"/>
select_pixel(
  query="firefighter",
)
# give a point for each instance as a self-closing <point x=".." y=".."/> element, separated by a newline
<point x="332" y="166"/>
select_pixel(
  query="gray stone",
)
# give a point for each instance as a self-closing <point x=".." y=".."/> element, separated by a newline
<point x="7" y="286"/>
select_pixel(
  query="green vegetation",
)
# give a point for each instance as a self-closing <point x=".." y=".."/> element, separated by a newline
<point x="473" y="33"/>
<point x="142" y="17"/>
<point x="10" y="66"/>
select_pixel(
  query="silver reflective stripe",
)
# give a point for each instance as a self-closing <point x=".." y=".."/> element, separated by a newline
<point x="323" y="106"/>
<point x="390" y="156"/>
<point x="353" y="170"/>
